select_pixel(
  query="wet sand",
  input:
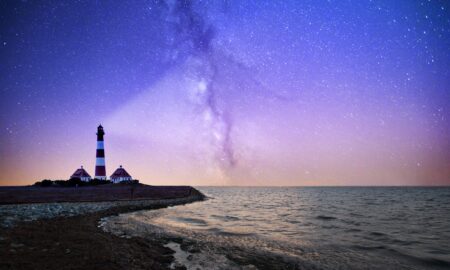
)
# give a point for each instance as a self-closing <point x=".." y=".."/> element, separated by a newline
<point x="76" y="242"/>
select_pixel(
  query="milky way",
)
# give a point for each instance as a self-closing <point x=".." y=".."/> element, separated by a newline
<point x="189" y="27"/>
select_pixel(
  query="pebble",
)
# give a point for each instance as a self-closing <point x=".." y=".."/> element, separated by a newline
<point x="19" y="245"/>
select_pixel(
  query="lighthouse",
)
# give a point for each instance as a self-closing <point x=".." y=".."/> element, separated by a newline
<point x="100" y="169"/>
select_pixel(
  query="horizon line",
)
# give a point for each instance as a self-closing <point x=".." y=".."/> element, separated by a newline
<point x="277" y="186"/>
<point x="445" y="185"/>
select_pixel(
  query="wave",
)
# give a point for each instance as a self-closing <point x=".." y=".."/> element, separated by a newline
<point x="220" y="232"/>
<point x="196" y="221"/>
<point x="369" y="247"/>
<point x="377" y="234"/>
<point x="321" y="217"/>
<point x="226" y="218"/>
<point x="421" y="259"/>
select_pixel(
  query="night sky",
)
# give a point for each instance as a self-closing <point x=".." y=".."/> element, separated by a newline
<point x="227" y="93"/>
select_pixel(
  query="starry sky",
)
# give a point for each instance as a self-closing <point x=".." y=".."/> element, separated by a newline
<point x="255" y="92"/>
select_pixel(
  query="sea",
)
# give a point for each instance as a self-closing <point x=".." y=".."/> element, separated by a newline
<point x="303" y="228"/>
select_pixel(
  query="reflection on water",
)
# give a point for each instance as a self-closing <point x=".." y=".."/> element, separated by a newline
<point x="371" y="228"/>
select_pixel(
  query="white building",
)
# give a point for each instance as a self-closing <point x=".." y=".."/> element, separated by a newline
<point x="81" y="174"/>
<point x="120" y="175"/>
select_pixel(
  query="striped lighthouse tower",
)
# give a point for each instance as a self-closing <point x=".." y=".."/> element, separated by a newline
<point x="100" y="169"/>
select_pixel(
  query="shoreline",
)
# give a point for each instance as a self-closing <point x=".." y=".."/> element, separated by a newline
<point x="191" y="251"/>
<point x="77" y="242"/>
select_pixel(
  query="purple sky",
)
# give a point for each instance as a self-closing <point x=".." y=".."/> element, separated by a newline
<point x="227" y="93"/>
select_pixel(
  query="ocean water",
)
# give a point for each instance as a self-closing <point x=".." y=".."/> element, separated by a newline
<point x="309" y="228"/>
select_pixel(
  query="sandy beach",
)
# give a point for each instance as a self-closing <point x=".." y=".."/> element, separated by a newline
<point x="66" y="235"/>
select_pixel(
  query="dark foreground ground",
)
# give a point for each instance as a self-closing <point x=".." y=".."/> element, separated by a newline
<point x="109" y="192"/>
<point x="78" y="243"/>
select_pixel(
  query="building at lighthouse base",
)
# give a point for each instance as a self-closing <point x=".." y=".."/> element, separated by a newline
<point x="81" y="174"/>
<point x="120" y="175"/>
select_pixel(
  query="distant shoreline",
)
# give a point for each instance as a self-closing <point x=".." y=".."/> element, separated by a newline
<point x="100" y="193"/>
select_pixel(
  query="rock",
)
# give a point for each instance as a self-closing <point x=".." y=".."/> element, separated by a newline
<point x="190" y="257"/>
<point x="194" y="249"/>
<point x="179" y="267"/>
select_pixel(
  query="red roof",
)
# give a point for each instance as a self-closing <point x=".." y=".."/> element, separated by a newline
<point x="120" y="172"/>
<point x="80" y="173"/>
